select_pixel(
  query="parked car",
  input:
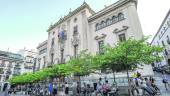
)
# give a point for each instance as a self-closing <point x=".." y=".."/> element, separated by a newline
<point x="167" y="69"/>
<point x="158" y="69"/>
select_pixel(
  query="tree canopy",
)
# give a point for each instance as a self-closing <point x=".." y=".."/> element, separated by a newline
<point x="125" y="55"/>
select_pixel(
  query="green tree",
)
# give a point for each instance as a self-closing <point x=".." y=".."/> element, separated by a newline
<point x="128" y="55"/>
<point x="82" y="65"/>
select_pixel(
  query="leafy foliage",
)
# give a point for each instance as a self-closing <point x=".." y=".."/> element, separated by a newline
<point x="125" y="55"/>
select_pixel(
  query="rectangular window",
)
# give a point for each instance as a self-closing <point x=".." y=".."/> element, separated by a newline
<point x="168" y="40"/>
<point x="101" y="45"/>
<point x="158" y="43"/>
<point x="62" y="56"/>
<point x="39" y="63"/>
<point x="52" y="58"/>
<point x="75" y="51"/>
<point x="52" y="42"/>
<point x="44" y="61"/>
<point x="75" y="30"/>
<point x="122" y="37"/>
<point x="163" y="44"/>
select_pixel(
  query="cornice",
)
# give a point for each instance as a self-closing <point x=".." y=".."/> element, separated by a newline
<point x="161" y="25"/>
<point x="110" y="8"/>
<point x="61" y="20"/>
<point x="100" y="37"/>
<point x="123" y="29"/>
<point x="42" y="44"/>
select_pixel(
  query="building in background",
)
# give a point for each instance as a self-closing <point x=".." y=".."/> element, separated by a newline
<point x="162" y="38"/>
<point x="29" y="60"/>
<point x="10" y="65"/>
<point x="41" y="56"/>
<point x="85" y="29"/>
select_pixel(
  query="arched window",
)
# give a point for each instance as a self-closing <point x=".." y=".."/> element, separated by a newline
<point x="114" y="19"/>
<point x="103" y="24"/>
<point x="97" y="26"/>
<point x="108" y="22"/>
<point x="120" y="16"/>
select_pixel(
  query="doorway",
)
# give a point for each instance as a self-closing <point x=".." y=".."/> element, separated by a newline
<point x="169" y="62"/>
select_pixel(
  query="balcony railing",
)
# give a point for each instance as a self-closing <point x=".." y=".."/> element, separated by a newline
<point x="2" y="65"/>
<point x="61" y="61"/>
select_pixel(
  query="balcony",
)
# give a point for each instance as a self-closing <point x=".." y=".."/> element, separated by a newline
<point x="61" y="61"/>
<point x="9" y="66"/>
<point x="16" y="73"/>
<point x="2" y="65"/>
<point x="8" y="72"/>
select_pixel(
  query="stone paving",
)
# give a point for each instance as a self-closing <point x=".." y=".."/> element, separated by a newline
<point x="158" y="77"/>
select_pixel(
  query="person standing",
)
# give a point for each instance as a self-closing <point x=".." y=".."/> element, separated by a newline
<point x="66" y="89"/>
<point x="145" y="88"/>
<point x="99" y="89"/>
<point x="55" y="89"/>
<point x="84" y="89"/>
<point x="105" y="88"/>
<point x="50" y="88"/>
<point x="165" y="80"/>
<point x="133" y="87"/>
<point x="78" y="89"/>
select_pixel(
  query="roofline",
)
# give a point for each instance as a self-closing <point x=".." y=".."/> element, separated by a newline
<point x="161" y="26"/>
<point x="41" y="44"/>
<point x="61" y="20"/>
<point x="113" y="6"/>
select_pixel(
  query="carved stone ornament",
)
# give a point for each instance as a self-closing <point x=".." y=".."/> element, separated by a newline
<point x="75" y="41"/>
<point x="62" y="45"/>
<point x="100" y="37"/>
<point x="123" y="29"/>
<point x="51" y="50"/>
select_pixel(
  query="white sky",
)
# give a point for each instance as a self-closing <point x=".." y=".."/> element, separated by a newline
<point x="151" y="14"/>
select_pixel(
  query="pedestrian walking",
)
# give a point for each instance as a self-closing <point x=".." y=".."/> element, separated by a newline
<point x="133" y="87"/>
<point x="165" y="80"/>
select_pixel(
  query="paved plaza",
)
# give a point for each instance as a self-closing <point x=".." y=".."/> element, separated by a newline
<point x="158" y="77"/>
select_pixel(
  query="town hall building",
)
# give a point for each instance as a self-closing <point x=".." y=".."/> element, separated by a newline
<point x="84" y="29"/>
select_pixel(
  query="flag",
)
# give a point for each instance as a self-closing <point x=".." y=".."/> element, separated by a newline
<point x="62" y="34"/>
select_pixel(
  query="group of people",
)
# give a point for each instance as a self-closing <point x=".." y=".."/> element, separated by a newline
<point x="40" y="89"/>
<point x="137" y="85"/>
<point x="99" y="88"/>
<point x="147" y="85"/>
<point x="54" y="88"/>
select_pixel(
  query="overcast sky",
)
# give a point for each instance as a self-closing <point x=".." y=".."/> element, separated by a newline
<point x="23" y="23"/>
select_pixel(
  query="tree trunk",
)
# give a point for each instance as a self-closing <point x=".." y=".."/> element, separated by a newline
<point x="79" y="83"/>
<point x="129" y="88"/>
<point x="114" y="77"/>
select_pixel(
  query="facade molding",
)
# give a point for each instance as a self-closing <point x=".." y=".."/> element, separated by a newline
<point x="123" y="29"/>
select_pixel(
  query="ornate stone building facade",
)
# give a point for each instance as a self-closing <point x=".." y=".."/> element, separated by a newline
<point x="29" y="60"/>
<point x="41" y="60"/>
<point x="10" y="65"/>
<point x="84" y="29"/>
<point x="162" y="38"/>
